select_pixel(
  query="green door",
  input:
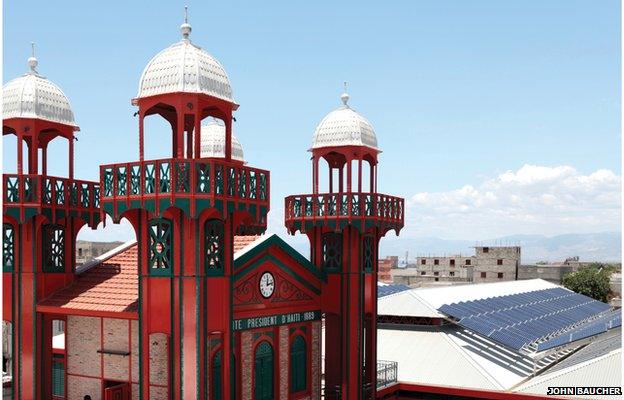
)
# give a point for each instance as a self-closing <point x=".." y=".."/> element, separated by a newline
<point x="263" y="372"/>
<point x="216" y="376"/>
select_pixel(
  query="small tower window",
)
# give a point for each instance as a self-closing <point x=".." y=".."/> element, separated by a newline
<point x="53" y="248"/>
<point x="368" y="253"/>
<point x="160" y="251"/>
<point x="213" y="247"/>
<point x="8" y="247"/>
<point x="298" y="365"/>
<point x="332" y="251"/>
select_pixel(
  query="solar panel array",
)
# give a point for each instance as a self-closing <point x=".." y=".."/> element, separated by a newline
<point x="390" y="289"/>
<point x="524" y="319"/>
<point x="593" y="327"/>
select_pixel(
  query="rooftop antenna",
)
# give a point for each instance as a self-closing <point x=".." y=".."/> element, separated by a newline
<point x="32" y="61"/>
<point x="185" y="28"/>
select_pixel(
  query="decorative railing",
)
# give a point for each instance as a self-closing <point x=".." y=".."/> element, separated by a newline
<point x="185" y="178"/>
<point x="327" y="206"/>
<point x="386" y="373"/>
<point x="49" y="191"/>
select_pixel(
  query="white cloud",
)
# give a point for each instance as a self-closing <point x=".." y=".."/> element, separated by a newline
<point x="533" y="199"/>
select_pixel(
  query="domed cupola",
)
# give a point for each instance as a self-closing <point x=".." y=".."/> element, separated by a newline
<point x="344" y="127"/>
<point x="32" y="96"/>
<point x="185" y="67"/>
<point x="213" y="142"/>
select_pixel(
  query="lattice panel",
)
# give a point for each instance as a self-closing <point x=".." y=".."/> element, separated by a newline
<point x="332" y="251"/>
<point x="368" y="253"/>
<point x="54" y="248"/>
<point x="160" y="242"/>
<point x="8" y="247"/>
<point x="213" y="246"/>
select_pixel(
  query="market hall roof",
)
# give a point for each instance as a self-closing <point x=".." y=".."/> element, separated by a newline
<point x="185" y="67"/>
<point x="34" y="96"/>
<point x="109" y="286"/>
<point x="344" y="127"/>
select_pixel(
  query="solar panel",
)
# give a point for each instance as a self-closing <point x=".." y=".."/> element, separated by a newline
<point x="390" y="289"/>
<point x="524" y="319"/>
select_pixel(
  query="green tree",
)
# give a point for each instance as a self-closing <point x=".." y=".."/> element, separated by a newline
<point x="590" y="281"/>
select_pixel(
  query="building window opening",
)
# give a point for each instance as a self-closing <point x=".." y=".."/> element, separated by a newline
<point x="483" y="275"/>
<point x="58" y="376"/>
<point x="436" y="262"/>
<point x="499" y="262"/>
<point x="298" y="365"/>
<point x="160" y="249"/>
<point x="423" y="262"/>
<point x="467" y="262"/>
<point x="452" y="273"/>
<point x="452" y="262"/>
<point x="216" y="376"/>
<point x="436" y="273"/>
<point x="500" y="275"/>
<point x="486" y="249"/>
<point x="213" y="246"/>
<point x="422" y="272"/>
<point x="8" y="247"/>
<point x="263" y="372"/>
<point x="54" y="248"/>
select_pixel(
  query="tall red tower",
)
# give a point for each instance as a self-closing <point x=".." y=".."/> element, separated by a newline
<point x="185" y="211"/>
<point x="344" y="225"/>
<point x="42" y="215"/>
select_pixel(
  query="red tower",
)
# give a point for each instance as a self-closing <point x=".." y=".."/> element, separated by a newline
<point x="344" y="226"/>
<point x="41" y="217"/>
<point x="185" y="211"/>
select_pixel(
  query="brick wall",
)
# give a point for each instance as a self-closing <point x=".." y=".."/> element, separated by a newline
<point x="246" y="365"/>
<point x="87" y="368"/>
<point x="158" y="368"/>
<point x="316" y="360"/>
<point x="284" y="353"/>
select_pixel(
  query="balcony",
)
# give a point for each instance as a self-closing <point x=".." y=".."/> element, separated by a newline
<point x="190" y="185"/>
<point x="28" y="195"/>
<point x="337" y="210"/>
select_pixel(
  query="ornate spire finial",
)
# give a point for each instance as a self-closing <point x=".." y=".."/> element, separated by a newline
<point x="185" y="28"/>
<point x="345" y="96"/>
<point x="32" y="61"/>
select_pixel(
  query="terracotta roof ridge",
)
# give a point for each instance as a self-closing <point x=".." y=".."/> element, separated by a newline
<point x="106" y="256"/>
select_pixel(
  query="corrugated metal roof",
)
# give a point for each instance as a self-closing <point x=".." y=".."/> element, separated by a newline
<point x="406" y="303"/>
<point x="605" y="370"/>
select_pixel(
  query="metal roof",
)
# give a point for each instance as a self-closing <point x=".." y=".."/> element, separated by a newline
<point x="185" y="67"/>
<point x="605" y="370"/>
<point x="213" y="142"/>
<point x="33" y="96"/>
<point x="344" y="127"/>
<point x="406" y="303"/>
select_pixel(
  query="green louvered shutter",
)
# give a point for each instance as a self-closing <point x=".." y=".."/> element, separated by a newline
<point x="298" y="365"/>
<point x="263" y="372"/>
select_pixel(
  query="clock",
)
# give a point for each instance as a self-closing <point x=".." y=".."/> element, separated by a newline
<point x="267" y="285"/>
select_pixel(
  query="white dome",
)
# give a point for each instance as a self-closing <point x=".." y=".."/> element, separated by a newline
<point x="213" y="142"/>
<point x="185" y="67"/>
<point x="33" y="96"/>
<point x="344" y="127"/>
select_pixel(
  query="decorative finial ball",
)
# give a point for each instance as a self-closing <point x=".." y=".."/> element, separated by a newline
<point x="186" y="29"/>
<point x="32" y="62"/>
<point x="345" y="98"/>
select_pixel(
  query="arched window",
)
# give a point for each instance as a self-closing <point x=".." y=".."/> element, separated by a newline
<point x="216" y="376"/>
<point x="8" y="247"/>
<point x="263" y="372"/>
<point x="160" y="246"/>
<point x="298" y="365"/>
<point x="213" y="247"/>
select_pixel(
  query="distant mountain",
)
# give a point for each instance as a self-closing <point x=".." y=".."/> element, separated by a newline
<point x="604" y="246"/>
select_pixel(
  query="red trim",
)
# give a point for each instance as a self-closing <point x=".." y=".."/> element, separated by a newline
<point x="394" y="390"/>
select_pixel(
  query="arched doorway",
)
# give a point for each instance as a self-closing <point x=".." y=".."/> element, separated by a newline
<point x="263" y="372"/>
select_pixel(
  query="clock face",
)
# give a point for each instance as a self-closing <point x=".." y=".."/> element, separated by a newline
<point x="267" y="285"/>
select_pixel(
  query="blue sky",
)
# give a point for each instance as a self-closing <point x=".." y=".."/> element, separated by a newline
<point x="461" y="94"/>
